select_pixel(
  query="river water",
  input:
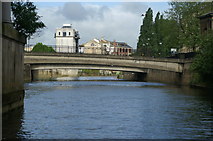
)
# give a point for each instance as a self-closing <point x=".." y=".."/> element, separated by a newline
<point x="107" y="108"/>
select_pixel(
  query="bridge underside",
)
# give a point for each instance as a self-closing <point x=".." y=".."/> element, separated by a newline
<point x="86" y="66"/>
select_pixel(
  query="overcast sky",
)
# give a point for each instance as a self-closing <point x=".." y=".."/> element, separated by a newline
<point x="112" y="21"/>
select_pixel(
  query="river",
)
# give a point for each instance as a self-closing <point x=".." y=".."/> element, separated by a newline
<point x="108" y="108"/>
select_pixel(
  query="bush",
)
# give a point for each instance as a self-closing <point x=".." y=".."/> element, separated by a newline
<point x="39" y="47"/>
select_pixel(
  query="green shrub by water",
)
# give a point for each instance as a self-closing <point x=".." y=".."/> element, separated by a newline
<point x="39" y="47"/>
<point x="202" y="65"/>
<point x="88" y="71"/>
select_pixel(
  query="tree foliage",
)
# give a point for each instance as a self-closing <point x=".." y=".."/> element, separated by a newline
<point x="157" y="37"/>
<point x="177" y="28"/>
<point x="168" y="37"/>
<point x="39" y="47"/>
<point x="186" y="15"/>
<point x="203" y="63"/>
<point x="145" y="43"/>
<point x="26" y="19"/>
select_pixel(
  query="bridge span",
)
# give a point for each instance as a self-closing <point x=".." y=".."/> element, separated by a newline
<point x="158" y="67"/>
<point x="124" y="63"/>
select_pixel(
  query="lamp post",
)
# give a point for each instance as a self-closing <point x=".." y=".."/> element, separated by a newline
<point x="142" y="15"/>
<point x="77" y="37"/>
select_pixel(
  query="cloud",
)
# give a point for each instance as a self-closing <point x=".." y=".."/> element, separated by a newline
<point x="77" y="12"/>
<point x="118" y="22"/>
<point x="134" y="7"/>
<point x="73" y="11"/>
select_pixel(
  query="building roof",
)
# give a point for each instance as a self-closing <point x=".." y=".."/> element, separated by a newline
<point x="91" y="41"/>
<point x="118" y="44"/>
<point x="121" y="44"/>
<point x="207" y="15"/>
<point x="67" y="26"/>
<point x="104" y="41"/>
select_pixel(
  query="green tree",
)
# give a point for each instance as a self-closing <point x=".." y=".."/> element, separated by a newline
<point x="145" y="42"/>
<point x="26" y="19"/>
<point x="168" y="33"/>
<point x="39" y="47"/>
<point x="157" y="37"/>
<point x="202" y="65"/>
<point x="186" y="15"/>
<point x="165" y="36"/>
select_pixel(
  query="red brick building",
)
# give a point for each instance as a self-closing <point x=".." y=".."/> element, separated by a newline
<point x="121" y="49"/>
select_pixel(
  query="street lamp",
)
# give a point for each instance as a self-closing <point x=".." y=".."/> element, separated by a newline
<point x="77" y="37"/>
<point x="142" y="15"/>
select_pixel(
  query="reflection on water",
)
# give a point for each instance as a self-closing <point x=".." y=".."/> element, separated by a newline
<point x="110" y="109"/>
<point x="88" y="78"/>
<point x="11" y="123"/>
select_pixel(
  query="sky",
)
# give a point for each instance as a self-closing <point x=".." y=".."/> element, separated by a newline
<point x="118" y="21"/>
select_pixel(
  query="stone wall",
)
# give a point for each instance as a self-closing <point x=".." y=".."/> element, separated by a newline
<point x="12" y="68"/>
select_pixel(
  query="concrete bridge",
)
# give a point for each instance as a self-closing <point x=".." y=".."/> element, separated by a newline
<point x="150" y="69"/>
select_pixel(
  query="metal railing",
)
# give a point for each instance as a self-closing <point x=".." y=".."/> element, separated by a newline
<point x="57" y="48"/>
<point x="84" y="50"/>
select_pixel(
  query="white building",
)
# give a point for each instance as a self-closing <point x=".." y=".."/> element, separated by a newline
<point x="65" y="39"/>
<point x="98" y="46"/>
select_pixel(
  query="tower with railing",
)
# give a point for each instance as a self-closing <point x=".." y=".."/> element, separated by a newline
<point x="65" y="39"/>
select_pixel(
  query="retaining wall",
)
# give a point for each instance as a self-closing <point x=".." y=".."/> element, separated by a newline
<point x="12" y="68"/>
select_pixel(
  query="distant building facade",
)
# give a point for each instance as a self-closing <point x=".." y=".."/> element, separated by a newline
<point x="66" y="39"/>
<point x="206" y="22"/>
<point x="97" y="46"/>
<point x="121" y="49"/>
<point x="92" y="47"/>
<point x="102" y="46"/>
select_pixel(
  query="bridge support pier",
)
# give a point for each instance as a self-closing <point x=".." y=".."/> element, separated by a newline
<point x="134" y="76"/>
<point x="27" y="73"/>
<point x="166" y="77"/>
<point x="163" y="76"/>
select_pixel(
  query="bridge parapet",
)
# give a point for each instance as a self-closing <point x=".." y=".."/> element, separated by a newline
<point x="111" y="57"/>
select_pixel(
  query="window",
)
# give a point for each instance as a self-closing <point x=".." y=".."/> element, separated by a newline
<point x="92" y="44"/>
<point x="69" y="33"/>
<point x="59" y="33"/>
<point x="64" y="34"/>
